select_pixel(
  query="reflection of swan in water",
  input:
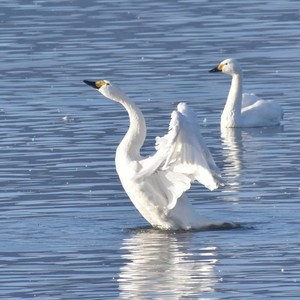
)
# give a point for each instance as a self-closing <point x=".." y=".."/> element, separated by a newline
<point x="160" y="265"/>
<point x="238" y="144"/>
<point x="245" y="110"/>
<point x="233" y="148"/>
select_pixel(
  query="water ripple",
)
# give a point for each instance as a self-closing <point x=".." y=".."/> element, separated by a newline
<point x="64" y="215"/>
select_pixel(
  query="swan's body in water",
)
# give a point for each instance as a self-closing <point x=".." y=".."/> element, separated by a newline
<point x="156" y="184"/>
<point x="245" y="110"/>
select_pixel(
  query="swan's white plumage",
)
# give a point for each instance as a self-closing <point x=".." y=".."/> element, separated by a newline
<point x="245" y="109"/>
<point x="156" y="184"/>
<point x="186" y="156"/>
<point x="249" y="99"/>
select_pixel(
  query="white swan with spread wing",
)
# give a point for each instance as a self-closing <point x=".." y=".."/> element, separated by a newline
<point x="245" y="110"/>
<point x="156" y="184"/>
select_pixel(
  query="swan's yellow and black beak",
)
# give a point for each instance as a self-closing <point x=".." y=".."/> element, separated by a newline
<point x="96" y="84"/>
<point x="91" y="83"/>
<point x="216" y="69"/>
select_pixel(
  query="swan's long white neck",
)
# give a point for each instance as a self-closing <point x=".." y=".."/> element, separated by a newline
<point x="231" y="116"/>
<point x="134" y="138"/>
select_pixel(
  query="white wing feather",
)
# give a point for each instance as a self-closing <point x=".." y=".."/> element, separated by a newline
<point x="258" y="111"/>
<point x="181" y="158"/>
<point x="249" y="99"/>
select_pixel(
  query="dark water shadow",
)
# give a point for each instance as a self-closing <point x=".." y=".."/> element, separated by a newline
<point x="264" y="131"/>
<point x="213" y="227"/>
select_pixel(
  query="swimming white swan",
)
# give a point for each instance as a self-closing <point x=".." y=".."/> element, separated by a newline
<point x="156" y="184"/>
<point x="245" y="110"/>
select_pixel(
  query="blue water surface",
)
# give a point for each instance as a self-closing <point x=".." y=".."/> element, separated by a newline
<point x="67" y="228"/>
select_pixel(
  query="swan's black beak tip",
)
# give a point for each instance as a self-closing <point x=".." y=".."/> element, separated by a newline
<point x="91" y="83"/>
<point x="214" y="70"/>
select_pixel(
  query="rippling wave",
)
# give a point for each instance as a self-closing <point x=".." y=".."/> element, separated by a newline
<point x="65" y="218"/>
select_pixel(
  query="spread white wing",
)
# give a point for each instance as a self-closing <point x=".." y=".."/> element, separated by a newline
<point x="181" y="158"/>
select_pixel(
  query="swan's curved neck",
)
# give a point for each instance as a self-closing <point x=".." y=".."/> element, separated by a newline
<point x="231" y="116"/>
<point x="134" y="138"/>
